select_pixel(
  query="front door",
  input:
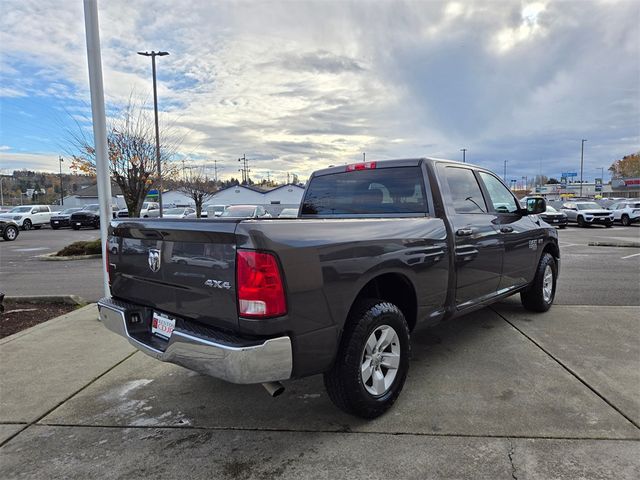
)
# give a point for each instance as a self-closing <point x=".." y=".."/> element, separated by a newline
<point x="517" y="232"/>
<point x="478" y="248"/>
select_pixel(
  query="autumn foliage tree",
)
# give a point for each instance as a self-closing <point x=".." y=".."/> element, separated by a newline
<point x="627" y="167"/>
<point x="132" y="153"/>
<point x="198" y="187"/>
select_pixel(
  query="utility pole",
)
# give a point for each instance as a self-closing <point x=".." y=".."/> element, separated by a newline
<point x="504" y="175"/>
<point x="215" y="170"/>
<point x="60" y="159"/>
<point x="183" y="170"/>
<point x="581" y="163"/>
<point x="464" y="155"/>
<point x="364" y="157"/>
<point x="153" y="56"/>
<point x="245" y="169"/>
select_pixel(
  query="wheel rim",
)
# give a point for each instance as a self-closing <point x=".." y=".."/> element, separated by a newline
<point x="380" y="360"/>
<point x="547" y="284"/>
<point x="625" y="221"/>
<point x="27" y="225"/>
<point x="11" y="233"/>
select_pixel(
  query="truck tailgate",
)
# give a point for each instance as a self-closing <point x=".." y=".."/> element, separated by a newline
<point x="180" y="267"/>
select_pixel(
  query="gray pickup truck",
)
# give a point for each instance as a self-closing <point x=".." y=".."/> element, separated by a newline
<point x="377" y="250"/>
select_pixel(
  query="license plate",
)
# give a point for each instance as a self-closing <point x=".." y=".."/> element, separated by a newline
<point x="78" y="224"/>
<point x="162" y="325"/>
<point x="56" y="221"/>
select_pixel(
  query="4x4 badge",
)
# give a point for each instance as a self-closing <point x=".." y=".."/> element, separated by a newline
<point x="154" y="259"/>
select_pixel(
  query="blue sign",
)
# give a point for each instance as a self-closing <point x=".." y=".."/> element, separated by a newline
<point x="153" y="192"/>
<point x="570" y="174"/>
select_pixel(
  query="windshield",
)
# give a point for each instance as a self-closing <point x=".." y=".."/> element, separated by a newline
<point x="216" y="208"/>
<point x="551" y="209"/>
<point x="174" y="211"/>
<point x="20" y="210"/>
<point x="94" y="207"/>
<point x="589" y="206"/>
<point x="239" y="212"/>
<point x="69" y="211"/>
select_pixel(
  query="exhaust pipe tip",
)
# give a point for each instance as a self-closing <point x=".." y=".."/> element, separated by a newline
<point x="273" y="388"/>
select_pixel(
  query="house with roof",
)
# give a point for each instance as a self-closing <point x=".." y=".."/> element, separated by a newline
<point x="88" y="195"/>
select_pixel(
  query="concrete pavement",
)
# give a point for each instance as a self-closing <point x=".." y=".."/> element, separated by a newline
<point x="501" y="393"/>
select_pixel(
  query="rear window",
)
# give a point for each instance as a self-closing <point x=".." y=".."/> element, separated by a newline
<point x="397" y="190"/>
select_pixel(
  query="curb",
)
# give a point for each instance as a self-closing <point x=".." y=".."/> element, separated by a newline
<point x="66" y="299"/>
<point x="51" y="257"/>
<point x="615" y="244"/>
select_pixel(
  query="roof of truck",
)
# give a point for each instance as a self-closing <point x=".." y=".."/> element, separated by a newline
<point x="399" y="162"/>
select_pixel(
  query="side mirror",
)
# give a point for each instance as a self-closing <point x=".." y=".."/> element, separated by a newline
<point x="536" y="206"/>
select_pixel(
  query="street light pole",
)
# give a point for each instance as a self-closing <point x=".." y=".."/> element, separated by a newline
<point x="464" y="156"/>
<point x="153" y="56"/>
<point x="61" y="192"/>
<point x="581" y="163"/>
<point x="504" y="175"/>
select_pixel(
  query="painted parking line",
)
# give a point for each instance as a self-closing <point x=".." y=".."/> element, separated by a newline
<point x="629" y="256"/>
<point x="564" y="245"/>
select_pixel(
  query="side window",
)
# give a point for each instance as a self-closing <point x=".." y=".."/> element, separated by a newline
<point x="499" y="195"/>
<point x="465" y="191"/>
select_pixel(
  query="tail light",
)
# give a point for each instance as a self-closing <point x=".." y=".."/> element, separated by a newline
<point x="107" y="263"/>
<point x="260" y="288"/>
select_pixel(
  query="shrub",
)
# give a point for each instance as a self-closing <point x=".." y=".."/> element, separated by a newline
<point x="93" y="247"/>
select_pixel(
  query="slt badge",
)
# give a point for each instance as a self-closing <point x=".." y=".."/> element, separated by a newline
<point x="154" y="259"/>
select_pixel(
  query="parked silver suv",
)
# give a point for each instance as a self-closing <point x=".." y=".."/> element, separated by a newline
<point x="587" y="213"/>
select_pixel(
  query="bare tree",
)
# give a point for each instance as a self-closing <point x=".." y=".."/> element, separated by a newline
<point x="132" y="153"/>
<point x="198" y="187"/>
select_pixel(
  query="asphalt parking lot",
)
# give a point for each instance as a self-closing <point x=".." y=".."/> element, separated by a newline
<point x="501" y="393"/>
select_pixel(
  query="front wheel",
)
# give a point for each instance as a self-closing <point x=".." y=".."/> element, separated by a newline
<point x="608" y="224"/>
<point x="75" y="227"/>
<point x="372" y="362"/>
<point x="10" y="233"/>
<point x="539" y="295"/>
<point x="581" y="222"/>
<point x="26" y="225"/>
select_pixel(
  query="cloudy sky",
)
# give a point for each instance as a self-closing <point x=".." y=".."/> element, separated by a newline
<point x="301" y="85"/>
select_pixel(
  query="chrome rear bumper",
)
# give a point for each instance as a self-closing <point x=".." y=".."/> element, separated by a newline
<point x="266" y="362"/>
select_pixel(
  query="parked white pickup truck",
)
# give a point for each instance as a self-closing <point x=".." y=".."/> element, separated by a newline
<point x="29" y="216"/>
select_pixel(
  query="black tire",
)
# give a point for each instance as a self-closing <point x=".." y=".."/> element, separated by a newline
<point x="26" y="225"/>
<point x="562" y="227"/>
<point x="581" y="222"/>
<point x="625" y="220"/>
<point x="10" y="233"/>
<point x="54" y="228"/>
<point x="75" y="227"/>
<point x="96" y="224"/>
<point x="344" y="382"/>
<point x="114" y="251"/>
<point x="37" y="227"/>
<point x="534" y="297"/>
<point x="608" y="224"/>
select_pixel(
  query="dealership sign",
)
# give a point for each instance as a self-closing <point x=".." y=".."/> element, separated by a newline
<point x="625" y="183"/>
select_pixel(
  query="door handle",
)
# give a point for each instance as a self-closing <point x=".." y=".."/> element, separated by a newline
<point x="464" y="232"/>
<point x="506" y="229"/>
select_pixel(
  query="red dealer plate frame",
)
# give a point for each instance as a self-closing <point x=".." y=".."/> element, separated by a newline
<point x="162" y="326"/>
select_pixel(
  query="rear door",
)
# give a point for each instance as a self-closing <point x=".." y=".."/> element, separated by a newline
<point x="478" y="247"/>
<point x="518" y="233"/>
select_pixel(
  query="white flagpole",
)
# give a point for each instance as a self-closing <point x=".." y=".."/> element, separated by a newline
<point x="99" y="126"/>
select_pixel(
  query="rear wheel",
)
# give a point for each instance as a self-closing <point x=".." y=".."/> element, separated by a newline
<point x="26" y="225"/>
<point x="539" y="295"/>
<point x="626" y="221"/>
<point x="372" y="362"/>
<point x="10" y="233"/>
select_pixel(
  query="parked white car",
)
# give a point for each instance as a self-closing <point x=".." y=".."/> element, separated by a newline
<point x="179" y="212"/>
<point x="246" y="211"/>
<point x="211" y="211"/>
<point x="626" y="212"/>
<point x="29" y="216"/>
<point x="587" y="213"/>
<point x="149" y="210"/>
